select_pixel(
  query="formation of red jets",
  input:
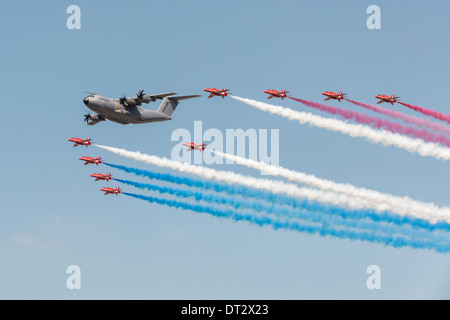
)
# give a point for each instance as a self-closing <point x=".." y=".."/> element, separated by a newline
<point x="107" y="177"/>
<point x="97" y="161"/>
<point x="330" y="95"/>
<point x="223" y="93"/>
<point x="100" y="176"/>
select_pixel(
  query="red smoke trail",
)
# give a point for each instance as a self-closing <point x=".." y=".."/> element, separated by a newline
<point x="378" y="123"/>
<point x="428" y="112"/>
<point x="405" y="117"/>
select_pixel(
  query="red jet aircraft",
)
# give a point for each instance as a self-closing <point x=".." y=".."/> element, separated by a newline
<point x="384" y="98"/>
<point x="276" y="94"/>
<point x="335" y="96"/>
<point x="80" y="142"/>
<point x="99" y="176"/>
<point x="192" y="146"/>
<point x="216" y="92"/>
<point x="115" y="191"/>
<point x="97" y="160"/>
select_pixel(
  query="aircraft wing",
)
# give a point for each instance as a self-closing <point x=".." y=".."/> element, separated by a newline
<point x="149" y="98"/>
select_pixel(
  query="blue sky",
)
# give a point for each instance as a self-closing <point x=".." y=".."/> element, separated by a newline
<point x="52" y="214"/>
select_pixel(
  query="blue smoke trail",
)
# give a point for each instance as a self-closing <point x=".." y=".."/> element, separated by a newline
<point x="233" y="190"/>
<point x="286" y="212"/>
<point x="290" y="225"/>
<point x="296" y="203"/>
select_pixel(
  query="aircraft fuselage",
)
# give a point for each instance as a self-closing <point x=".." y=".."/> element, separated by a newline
<point x="111" y="109"/>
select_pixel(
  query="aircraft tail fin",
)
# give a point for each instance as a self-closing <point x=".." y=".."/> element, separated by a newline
<point x="169" y="104"/>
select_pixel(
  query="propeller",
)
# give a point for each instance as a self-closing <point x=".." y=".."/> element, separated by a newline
<point x="123" y="100"/>
<point x="87" y="117"/>
<point x="140" y="94"/>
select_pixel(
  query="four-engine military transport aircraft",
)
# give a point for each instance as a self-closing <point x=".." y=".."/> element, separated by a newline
<point x="126" y="110"/>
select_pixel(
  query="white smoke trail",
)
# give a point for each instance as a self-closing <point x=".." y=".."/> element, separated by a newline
<point x="426" y="149"/>
<point x="376" y="200"/>
<point x="273" y="186"/>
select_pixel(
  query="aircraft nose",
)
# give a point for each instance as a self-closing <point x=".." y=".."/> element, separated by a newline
<point x="86" y="101"/>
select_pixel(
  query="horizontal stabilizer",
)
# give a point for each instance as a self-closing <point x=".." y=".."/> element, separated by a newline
<point x="183" y="97"/>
